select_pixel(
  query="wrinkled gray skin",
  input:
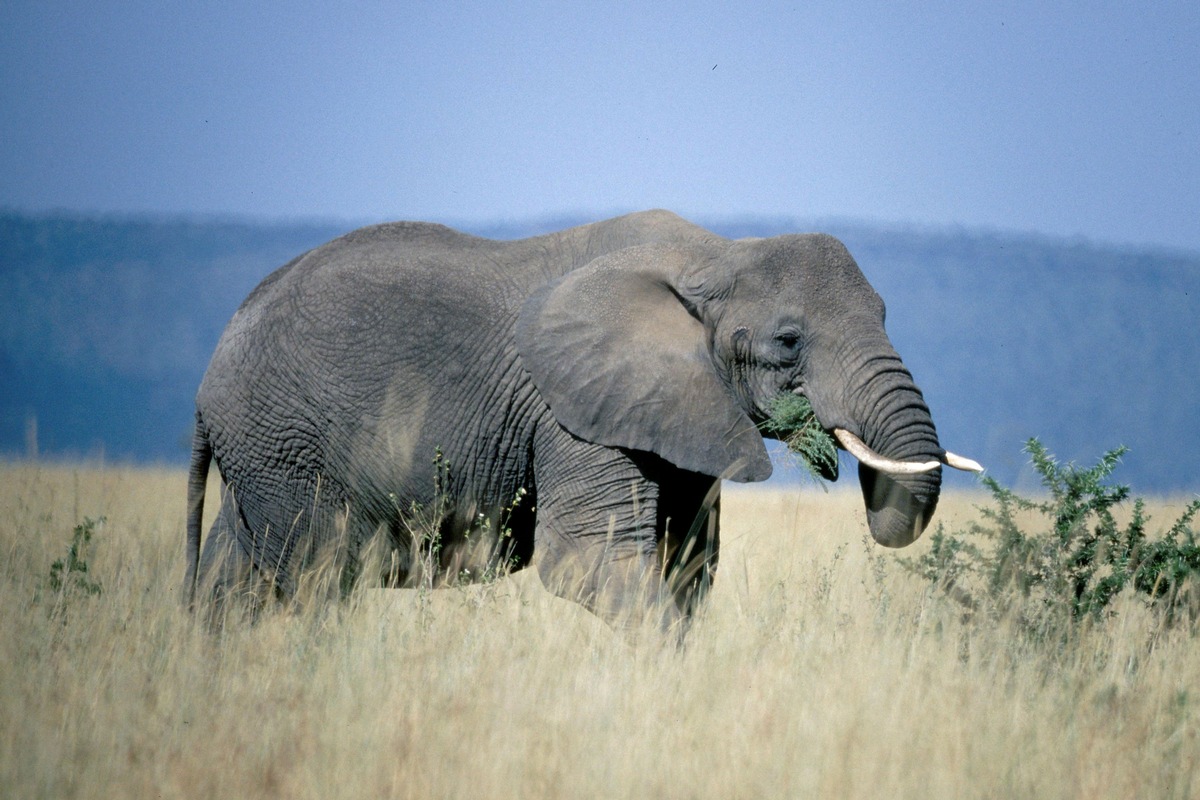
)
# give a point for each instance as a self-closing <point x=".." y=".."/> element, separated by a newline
<point x="615" y="371"/>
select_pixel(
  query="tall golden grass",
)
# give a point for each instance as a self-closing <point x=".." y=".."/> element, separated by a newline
<point x="818" y="669"/>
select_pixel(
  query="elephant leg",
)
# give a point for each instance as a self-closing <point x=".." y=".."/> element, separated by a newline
<point x="688" y="544"/>
<point x="595" y="537"/>
<point x="327" y="558"/>
<point x="299" y="534"/>
<point x="227" y="579"/>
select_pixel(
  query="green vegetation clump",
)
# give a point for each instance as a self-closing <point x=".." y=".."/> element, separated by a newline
<point x="1062" y="560"/>
<point x="70" y="574"/>
<point x="69" y="577"/>
<point x="793" y="422"/>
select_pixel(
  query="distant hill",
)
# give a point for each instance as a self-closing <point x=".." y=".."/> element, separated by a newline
<point x="106" y="325"/>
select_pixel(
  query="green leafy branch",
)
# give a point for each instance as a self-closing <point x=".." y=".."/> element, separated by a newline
<point x="1073" y="559"/>
<point x="794" y="423"/>
<point x="69" y="577"/>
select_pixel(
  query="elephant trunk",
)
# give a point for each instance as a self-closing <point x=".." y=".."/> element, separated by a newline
<point x="898" y="507"/>
<point x="896" y="423"/>
<point x="884" y="407"/>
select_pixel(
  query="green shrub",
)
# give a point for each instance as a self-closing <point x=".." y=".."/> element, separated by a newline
<point x="69" y="577"/>
<point x="70" y="574"/>
<point x="1069" y="563"/>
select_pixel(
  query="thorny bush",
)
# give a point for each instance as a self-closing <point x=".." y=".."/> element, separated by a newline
<point x="1056" y="562"/>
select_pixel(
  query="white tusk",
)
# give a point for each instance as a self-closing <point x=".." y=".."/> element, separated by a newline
<point x="858" y="448"/>
<point x="959" y="462"/>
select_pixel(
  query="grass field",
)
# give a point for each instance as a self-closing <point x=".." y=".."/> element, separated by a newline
<point x="819" y="669"/>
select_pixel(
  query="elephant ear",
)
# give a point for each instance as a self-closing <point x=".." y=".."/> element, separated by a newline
<point x="615" y="354"/>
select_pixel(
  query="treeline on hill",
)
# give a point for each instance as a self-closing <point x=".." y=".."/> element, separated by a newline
<point x="107" y="323"/>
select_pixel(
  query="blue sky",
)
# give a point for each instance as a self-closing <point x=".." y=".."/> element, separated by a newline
<point x="1074" y="119"/>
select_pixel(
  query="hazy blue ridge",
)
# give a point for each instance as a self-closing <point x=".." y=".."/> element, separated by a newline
<point x="106" y="325"/>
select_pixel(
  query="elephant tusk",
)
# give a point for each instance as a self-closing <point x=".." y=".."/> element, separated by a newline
<point x="858" y="448"/>
<point x="959" y="462"/>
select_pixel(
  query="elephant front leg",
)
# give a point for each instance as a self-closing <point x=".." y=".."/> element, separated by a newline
<point x="595" y="540"/>
<point x="689" y="538"/>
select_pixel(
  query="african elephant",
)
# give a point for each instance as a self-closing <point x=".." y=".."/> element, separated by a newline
<point x="608" y="376"/>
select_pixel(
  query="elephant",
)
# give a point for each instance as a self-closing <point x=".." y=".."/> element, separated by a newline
<point x="572" y="401"/>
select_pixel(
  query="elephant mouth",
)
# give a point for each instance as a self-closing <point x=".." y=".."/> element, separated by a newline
<point x="791" y="419"/>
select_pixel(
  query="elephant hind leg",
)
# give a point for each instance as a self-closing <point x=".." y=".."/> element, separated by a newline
<point x="197" y="485"/>
<point x="227" y="581"/>
<point x="337" y="551"/>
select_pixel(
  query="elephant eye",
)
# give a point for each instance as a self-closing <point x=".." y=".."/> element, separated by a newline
<point x="788" y="339"/>
<point x="788" y="342"/>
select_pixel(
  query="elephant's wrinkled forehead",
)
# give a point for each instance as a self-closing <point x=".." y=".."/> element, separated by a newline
<point x="811" y="268"/>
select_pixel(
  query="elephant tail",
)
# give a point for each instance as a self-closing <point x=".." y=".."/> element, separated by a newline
<point x="197" y="482"/>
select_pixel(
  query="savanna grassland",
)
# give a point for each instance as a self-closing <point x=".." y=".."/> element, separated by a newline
<point x="820" y="668"/>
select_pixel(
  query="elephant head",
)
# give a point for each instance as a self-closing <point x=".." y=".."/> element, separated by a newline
<point x="681" y="351"/>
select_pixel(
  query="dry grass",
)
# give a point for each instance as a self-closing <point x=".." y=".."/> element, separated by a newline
<point x="820" y="669"/>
